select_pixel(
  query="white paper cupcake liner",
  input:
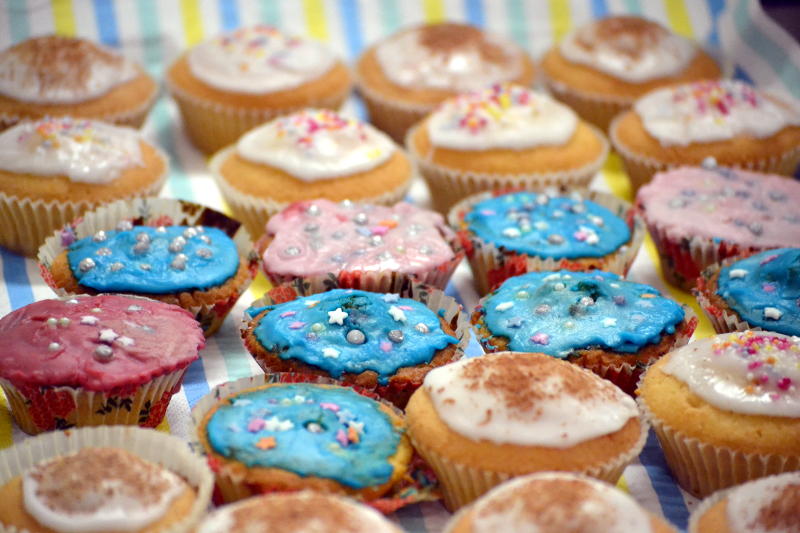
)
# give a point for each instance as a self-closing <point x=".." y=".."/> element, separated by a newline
<point x="598" y="109"/>
<point x="170" y="452"/>
<point x="393" y="117"/>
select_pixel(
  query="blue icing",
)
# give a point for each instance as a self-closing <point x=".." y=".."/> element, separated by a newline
<point x="302" y="330"/>
<point x="120" y="263"/>
<point x="559" y="312"/>
<point x="332" y="433"/>
<point x="769" y="279"/>
<point x="547" y="226"/>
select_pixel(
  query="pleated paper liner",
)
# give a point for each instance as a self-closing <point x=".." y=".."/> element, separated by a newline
<point x="595" y="108"/>
<point x="168" y="451"/>
<point x="209" y="307"/>
<point x="393" y="117"/>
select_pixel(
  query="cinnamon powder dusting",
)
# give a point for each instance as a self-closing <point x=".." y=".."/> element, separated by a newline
<point x="298" y="513"/>
<point x="450" y="38"/>
<point x="783" y="512"/>
<point x="627" y="36"/>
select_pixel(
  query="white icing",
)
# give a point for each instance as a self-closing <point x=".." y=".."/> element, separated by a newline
<point x="723" y="372"/>
<point x="628" y="55"/>
<point x="83" y="150"/>
<point x="747" y="501"/>
<point x="504" y="116"/>
<point x="605" y="509"/>
<point x="560" y="419"/>
<point x="258" y="59"/>
<point x="317" y="144"/>
<point x="712" y="111"/>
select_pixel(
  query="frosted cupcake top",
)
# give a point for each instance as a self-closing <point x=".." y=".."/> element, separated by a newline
<point x="748" y="372"/>
<point x="766" y="505"/>
<point x="448" y="56"/>
<point x="632" y="49"/>
<point x="503" y="116"/>
<point x="708" y="111"/>
<point x="258" y="59"/>
<point x="526" y="399"/>
<point x="85" y="151"/>
<point x="99" y="489"/>
<point x="747" y="208"/>
<point x="61" y="70"/>
<point x="317" y="144"/>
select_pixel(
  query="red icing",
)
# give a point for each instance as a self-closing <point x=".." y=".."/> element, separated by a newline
<point x="170" y="342"/>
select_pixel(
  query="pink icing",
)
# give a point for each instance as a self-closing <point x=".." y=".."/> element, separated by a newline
<point x="96" y="343"/>
<point x="746" y="208"/>
<point x="318" y="237"/>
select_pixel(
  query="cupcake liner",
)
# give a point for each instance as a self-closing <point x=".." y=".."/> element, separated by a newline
<point x="154" y="446"/>
<point x="155" y="212"/>
<point x="449" y="186"/>
<point x="255" y="212"/>
<point x="491" y="265"/>
<point x="393" y="117"/>
<point x="598" y="109"/>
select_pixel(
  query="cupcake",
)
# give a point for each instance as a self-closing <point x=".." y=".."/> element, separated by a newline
<point x="768" y="504"/>
<point x="94" y="360"/>
<point x="53" y="170"/>
<point x="601" y="68"/>
<point x="700" y="216"/>
<point x="510" y="234"/>
<point x="503" y="137"/>
<point x="309" y="154"/>
<point x="596" y="320"/>
<point x="55" y="76"/>
<point x="405" y="76"/>
<point x="236" y="81"/>
<point x="557" y="502"/>
<point x="380" y="342"/>
<point x="725" y="409"/>
<point x="324" y="245"/>
<point x="280" y="437"/>
<point x="758" y="292"/>
<point x="102" y="479"/>
<point x="736" y="124"/>
<point x="301" y="511"/>
<point x="481" y="421"/>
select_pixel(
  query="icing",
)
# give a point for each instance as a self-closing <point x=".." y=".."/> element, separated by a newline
<point x="317" y="144"/>
<point x="61" y="70"/>
<point x="148" y="260"/>
<point x="765" y="289"/>
<point x="524" y="399"/>
<point x="258" y="59"/>
<point x="327" y="432"/>
<point x="96" y="342"/>
<point x="558" y="502"/>
<point x="629" y="48"/>
<point x="452" y="57"/>
<point x="767" y="505"/>
<point x="746" y="208"/>
<point x="313" y="238"/>
<point x="548" y="226"/>
<point x="747" y="372"/>
<point x="97" y="490"/>
<point x="352" y="331"/>
<point x="558" y="313"/>
<point x="83" y="150"/>
<point x="709" y="111"/>
<point x="502" y="116"/>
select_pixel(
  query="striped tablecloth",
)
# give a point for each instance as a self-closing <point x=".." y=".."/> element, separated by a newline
<point x="154" y="32"/>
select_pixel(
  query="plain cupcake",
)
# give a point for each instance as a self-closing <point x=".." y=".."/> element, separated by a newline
<point x="236" y="81"/>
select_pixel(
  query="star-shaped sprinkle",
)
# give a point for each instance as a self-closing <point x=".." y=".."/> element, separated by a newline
<point x="108" y="335"/>
<point x="337" y="316"/>
<point x="541" y="338"/>
<point x="391" y="298"/>
<point x="512" y="233"/>
<point x="737" y="273"/>
<point x="514" y="322"/>
<point x="609" y="322"/>
<point x="505" y="306"/>
<point x="397" y="313"/>
<point x="773" y="313"/>
<point x="267" y="443"/>
<point x="89" y="320"/>
<point x="276" y="424"/>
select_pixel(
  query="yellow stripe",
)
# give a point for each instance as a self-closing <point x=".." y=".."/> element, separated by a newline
<point x="434" y="10"/>
<point x="622" y="484"/>
<point x="63" y="17"/>
<point x="163" y="426"/>
<point x="5" y="423"/>
<point x="315" y="19"/>
<point x="560" y="18"/>
<point x="260" y="285"/>
<point x="192" y="21"/>
<point x="616" y="179"/>
<point x="678" y="17"/>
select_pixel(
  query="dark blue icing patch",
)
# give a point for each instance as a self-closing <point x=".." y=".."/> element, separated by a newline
<point x="332" y="433"/>
<point x="151" y="260"/>
<point x="559" y="312"/>
<point x="764" y="289"/>
<point x="548" y="226"/>
<point x="352" y="331"/>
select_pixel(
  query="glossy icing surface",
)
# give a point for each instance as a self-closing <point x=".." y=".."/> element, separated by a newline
<point x="96" y="342"/>
<point x="149" y="260"/>
<point x="548" y="226"/>
<point x="749" y="372"/>
<point x="310" y="430"/>
<point x="352" y="331"/>
<point x="765" y="289"/>
<point x="317" y="237"/>
<point x="767" y="505"/>
<point x="558" y="313"/>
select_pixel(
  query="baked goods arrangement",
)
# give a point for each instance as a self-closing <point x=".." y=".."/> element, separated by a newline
<point x="359" y="392"/>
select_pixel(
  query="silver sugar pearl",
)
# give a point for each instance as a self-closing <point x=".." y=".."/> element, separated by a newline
<point x="337" y="235"/>
<point x="555" y="238"/>
<point x="396" y="336"/>
<point x="189" y="233"/>
<point x="86" y="264"/>
<point x="311" y="228"/>
<point x="355" y="336"/>
<point x="54" y="347"/>
<point x="200" y="229"/>
<point x="116" y="266"/>
<point x="709" y="163"/>
<point x="161" y="229"/>
<point x="64" y="322"/>
<point x="313" y="210"/>
<point x="125" y="225"/>
<point x="103" y="251"/>
<point x="376" y="240"/>
<point x="100" y="236"/>
<point x="205" y="253"/>
<point x="142" y="237"/>
<point x="425" y="249"/>
<point x="542" y="309"/>
<point x="205" y="238"/>
<point x="361" y="219"/>
<point x="292" y="251"/>
<point x="179" y="263"/>
<point x="103" y="353"/>
<point x="385" y="256"/>
<point x="347" y="203"/>
<point x="578" y="208"/>
<point x="177" y="244"/>
<point x="422" y="328"/>
<point x="314" y="427"/>
<point x="756" y="228"/>
<point x="141" y="247"/>
<point x="52" y="322"/>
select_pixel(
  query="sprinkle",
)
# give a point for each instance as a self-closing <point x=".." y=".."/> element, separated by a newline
<point x="341" y="437"/>
<point x="514" y="322"/>
<point x="333" y="353"/>
<point x="737" y="273"/>
<point x="141" y="247"/>
<point x="125" y="225"/>
<point x="311" y="303"/>
<point x="586" y="301"/>
<point x="287" y="314"/>
<point x="255" y="425"/>
<point x="648" y="295"/>
<point x="116" y="266"/>
<point x="100" y="236"/>
<point x="396" y="336"/>
<point x="337" y="316"/>
<point x="266" y="443"/>
<point x="391" y="298"/>
<point x="361" y="219"/>
<point x="177" y="244"/>
<point x="511" y="233"/>
<point x="555" y="238"/>
<point x="297" y="325"/>
<point x="317" y="327"/>
<point x="313" y="210"/>
<point x="108" y="335"/>
<point x="355" y="336"/>
<point x="386" y="346"/>
<point x="276" y="424"/>
<point x="609" y="322"/>
<point x="189" y="233"/>
<point x="619" y="299"/>
<point x="330" y="406"/>
<point x="541" y="338"/>
<point x="86" y="264"/>
<point x="397" y="313"/>
<point x="422" y="328"/>
<point x="89" y="320"/>
<point x="768" y="287"/>
<point x="559" y="286"/>
<point x="768" y="259"/>
<point x="179" y="262"/>
<point x="784" y="383"/>
<point x="314" y="427"/>
<point x="505" y="306"/>
<point x="425" y="250"/>
<point x="134" y="308"/>
<point x="292" y="251"/>
<point x="773" y="313"/>
<point x="52" y="322"/>
<point x="54" y="347"/>
<point x="126" y="341"/>
<point x="352" y="434"/>
<point x="103" y="252"/>
<point x="103" y="353"/>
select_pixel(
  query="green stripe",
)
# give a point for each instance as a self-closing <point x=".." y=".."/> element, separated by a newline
<point x="18" y="14"/>
<point x="517" y="23"/>
<point x="390" y="16"/>
<point x="633" y="7"/>
<point x="270" y="13"/>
